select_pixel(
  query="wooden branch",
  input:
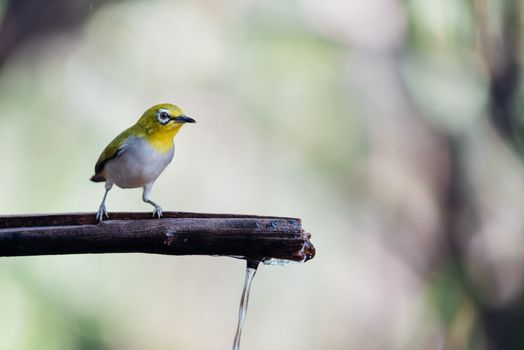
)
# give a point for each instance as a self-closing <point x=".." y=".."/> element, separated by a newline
<point x="243" y="236"/>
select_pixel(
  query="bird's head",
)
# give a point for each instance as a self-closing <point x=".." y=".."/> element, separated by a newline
<point x="164" y="117"/>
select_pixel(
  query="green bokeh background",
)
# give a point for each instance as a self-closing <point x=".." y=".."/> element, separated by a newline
<point x="336" y="112"/>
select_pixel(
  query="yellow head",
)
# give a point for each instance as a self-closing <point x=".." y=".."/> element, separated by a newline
<point x="161" y="123"/>
<point x="164" y="117"/>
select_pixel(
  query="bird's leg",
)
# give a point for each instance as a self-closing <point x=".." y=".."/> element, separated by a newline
<point x="145" y="197"/>
<point x="102" y="209"/>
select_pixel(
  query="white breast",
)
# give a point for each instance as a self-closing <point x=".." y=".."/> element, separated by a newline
<point x="138" y="165"/>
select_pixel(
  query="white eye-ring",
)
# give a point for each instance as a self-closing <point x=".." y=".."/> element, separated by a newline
<point x="163" y="116"/>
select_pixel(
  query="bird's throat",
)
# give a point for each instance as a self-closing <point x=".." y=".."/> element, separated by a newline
<point x="162" y="140"/>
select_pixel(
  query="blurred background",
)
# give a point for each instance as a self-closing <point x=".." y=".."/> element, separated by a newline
<point x="393" y="128"/>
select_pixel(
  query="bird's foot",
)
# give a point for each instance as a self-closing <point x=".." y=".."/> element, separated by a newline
<point x="101" y="213"/>
<point x="158" y="212"/>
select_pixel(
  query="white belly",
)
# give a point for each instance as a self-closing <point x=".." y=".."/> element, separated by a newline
<point x="138" y="165"/>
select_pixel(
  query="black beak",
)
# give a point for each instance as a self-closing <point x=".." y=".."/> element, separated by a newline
<point x="183" y="119"/>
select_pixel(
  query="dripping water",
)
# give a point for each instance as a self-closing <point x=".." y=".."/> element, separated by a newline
<point x="251" y="269"/>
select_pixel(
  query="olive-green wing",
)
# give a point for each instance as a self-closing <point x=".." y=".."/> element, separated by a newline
<point x="112" y="151"/>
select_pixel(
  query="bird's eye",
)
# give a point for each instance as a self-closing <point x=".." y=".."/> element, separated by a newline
<point x="163" y="117"/>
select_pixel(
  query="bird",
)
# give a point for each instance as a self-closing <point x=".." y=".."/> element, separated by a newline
<point x="139" y="154"/>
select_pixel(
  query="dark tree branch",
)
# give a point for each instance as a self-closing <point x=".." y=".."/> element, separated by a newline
<point x="502" y="60"/>
<point x="244" y="236"/>
<point x="26" y="20"/>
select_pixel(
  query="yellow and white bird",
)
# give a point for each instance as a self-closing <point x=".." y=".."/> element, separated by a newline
<point x="137" y="156"/>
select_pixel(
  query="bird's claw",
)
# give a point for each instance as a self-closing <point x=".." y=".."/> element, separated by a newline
<point x="101" y="213"/>
<point x="158" y="212"/>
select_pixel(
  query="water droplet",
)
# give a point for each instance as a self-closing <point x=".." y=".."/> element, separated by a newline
<point x="279" y="262"/>
<point x="250" y="273"/>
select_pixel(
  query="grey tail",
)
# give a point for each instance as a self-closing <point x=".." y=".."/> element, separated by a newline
<point x="97" y="178"/>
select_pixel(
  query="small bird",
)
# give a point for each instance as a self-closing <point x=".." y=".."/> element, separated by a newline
<point x="137" y="156"/>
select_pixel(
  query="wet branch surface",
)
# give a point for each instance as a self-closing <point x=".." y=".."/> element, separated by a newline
<point x="244" y="236"/>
